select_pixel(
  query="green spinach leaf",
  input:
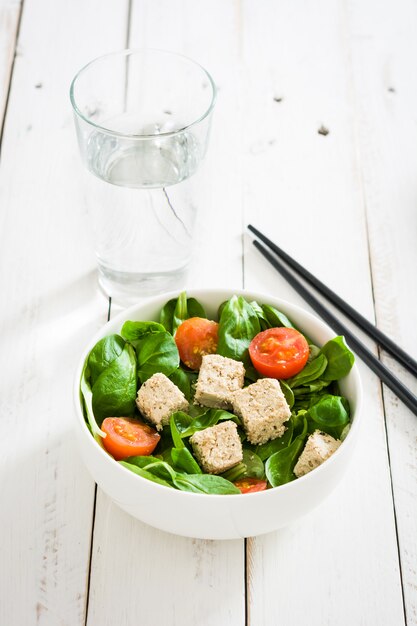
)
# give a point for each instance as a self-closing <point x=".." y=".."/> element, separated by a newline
<point x="158" y="353"/>
<point x="104" y="352"/>
<point x="314" y="352"/>
<point x="251" y="466"/>
<point x="265" y="450"/>
<point x="145" y="474"/>
<point x="87" y="398"/>
<point x="167" y="314"/>
<point x="330" y="414"/>
<point x="114" y="391"/>
<point x="275" y="317"/>
<point x="288" y="393"/>
<point x="184" y="381"/>
<point x="311" y="389"/>
<point x="263" y="321"/>
<point x="237" y="327"/>
<point x="177" y="423"/>
<point x="163" y="473"/>
<point x="311" y="371"/>
<point x="186" y="425"/>
<point x="184" y="461"/>
<point x="135" y="331"/>
<point x="204" y="483"/>
<point x="297" y="421"/>
<point x="339" y="359"/>
<point x="279" y="467"/>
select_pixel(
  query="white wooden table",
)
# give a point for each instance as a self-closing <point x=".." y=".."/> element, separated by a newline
<point x="343" y="203"/>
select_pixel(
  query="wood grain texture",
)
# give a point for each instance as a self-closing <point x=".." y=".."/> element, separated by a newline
<point x="9" y="20"/>
<point x="48" y="281"/>
<point x="383" y="53"/>
<point x="342" y="557"/>
<point x="142" y="575"/>
<point x="285" y="71"/>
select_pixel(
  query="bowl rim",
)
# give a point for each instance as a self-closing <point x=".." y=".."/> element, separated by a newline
<point x="210" y="292"/>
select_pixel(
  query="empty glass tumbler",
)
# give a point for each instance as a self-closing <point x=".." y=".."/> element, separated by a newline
<point x="143" y="121"/>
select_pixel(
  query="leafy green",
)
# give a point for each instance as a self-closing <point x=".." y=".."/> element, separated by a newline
<point x="164" y="474"/>
<point x="114" y="391"/>
<point x="135" y="331"/>
<point x="297" y="421"/>
<point x="311" y="389"/>
<point x="311" y="371"/>
<point x="275" y="317"/>
<point x="288" y="393"/>
<point x="167" y="314"/>
<point x="179" y="309"/>
<point x="339" y="359"/>
<point x="205" y="483"/>
<point x="330" y="414"/>
<point x="184" y="461"/>
<point x="237" y="327"/>
<point x="269" y="316"/>
<point x="279" y="467"/>
<point x="251" y="466"/>
<point x="177" y="422"/>
<point x="158" y="353"/>
<point x="145" y="473"/>
<point x="263" y="321"/>
<point x="185" y="425"/>
<point x="195" y="308"/>
<point x="87" y="397"/>
<point x="184" y="381"/>
<point x="314" y="352"/>
<point x="110" y="376"/>
<point x="104" y="352"/>
<point x="220" y="309"/>
<point x="265" y="450"/>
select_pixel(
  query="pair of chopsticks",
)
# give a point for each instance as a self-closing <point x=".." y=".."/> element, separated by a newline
<point x="385" y="375"/>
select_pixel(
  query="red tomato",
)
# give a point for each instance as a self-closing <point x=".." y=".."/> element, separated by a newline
<point x="250" y="485"/>
<point x="128" y="437"/>
<point x="196" y="337"/>
<point x="279" y="352"/>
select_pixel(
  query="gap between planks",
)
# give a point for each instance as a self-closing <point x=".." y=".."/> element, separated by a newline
<point x="93" y="522"/>
<point x="9" y="75"/>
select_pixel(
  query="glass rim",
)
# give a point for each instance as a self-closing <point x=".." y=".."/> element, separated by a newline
<point x="127" y="52"/>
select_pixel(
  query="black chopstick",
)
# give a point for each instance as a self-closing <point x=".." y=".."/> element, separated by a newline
<point x="385" y="342"/>
<point x="403" y="393"/>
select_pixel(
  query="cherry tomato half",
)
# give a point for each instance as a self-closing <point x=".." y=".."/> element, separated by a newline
<point x="250" y="485"/>
<point x="128" y="437"/>
<point x="279" y="352"/>
<point x="196" y="337"/>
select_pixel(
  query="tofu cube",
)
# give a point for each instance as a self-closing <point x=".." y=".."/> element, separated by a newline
<point x="263" y="410"/>
<point x="218" y="378"/>
<point x="319" y="447"/>
<point x="158" y="398"/>
<point x="217" y="448"/>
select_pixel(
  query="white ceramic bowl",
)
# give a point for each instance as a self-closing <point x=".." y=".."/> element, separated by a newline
<point x="217" y="516"/>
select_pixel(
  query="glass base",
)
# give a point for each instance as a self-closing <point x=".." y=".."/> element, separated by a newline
<point x="128" y="287"/>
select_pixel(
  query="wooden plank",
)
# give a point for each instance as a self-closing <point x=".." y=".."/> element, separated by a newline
<point x="383" y="51"/>
<point x="201" y="582"/>
<point x="9" y="20"/>
<point x="339" y="565"/>
<point x="141" y="573"/>
<point x="51" y="306"/>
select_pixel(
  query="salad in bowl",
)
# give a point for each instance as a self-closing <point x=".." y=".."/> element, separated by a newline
<point x="215" y="394"/>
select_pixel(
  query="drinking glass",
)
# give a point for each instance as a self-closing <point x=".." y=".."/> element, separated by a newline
<point x="143" y="121"/>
